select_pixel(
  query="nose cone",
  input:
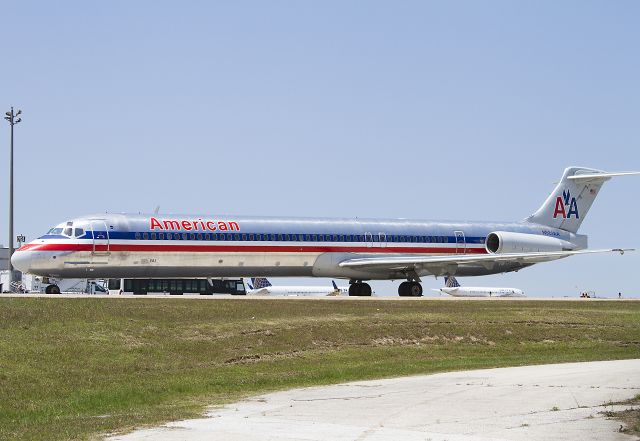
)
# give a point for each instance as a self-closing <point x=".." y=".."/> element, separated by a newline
<point x="21" y="260"/>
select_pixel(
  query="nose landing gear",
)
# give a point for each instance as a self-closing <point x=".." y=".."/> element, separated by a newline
<point x="410" y="289"/>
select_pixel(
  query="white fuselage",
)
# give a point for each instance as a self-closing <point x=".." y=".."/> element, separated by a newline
<point x="182" y="246"/>
<point x="301" y="291"/>
<point x="474" y="291"/>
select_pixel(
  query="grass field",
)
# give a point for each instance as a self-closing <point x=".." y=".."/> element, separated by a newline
<point x="78" y="368"/>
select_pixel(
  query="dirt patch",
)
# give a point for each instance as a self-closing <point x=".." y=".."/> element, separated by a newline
<point x="255" y="358"/>
<point x="399" y="341"/>
<point x="629" y="418"/>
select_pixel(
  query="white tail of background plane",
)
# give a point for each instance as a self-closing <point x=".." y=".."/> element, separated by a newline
<point x="568" y="204"/>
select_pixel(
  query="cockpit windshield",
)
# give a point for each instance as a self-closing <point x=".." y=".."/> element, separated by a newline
<point x="67" y="229"/>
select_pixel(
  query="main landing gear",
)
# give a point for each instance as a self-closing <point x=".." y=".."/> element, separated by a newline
<point x="360" y="289"/>
<point x="410" y="289"/>
<point x="52" y="289"/>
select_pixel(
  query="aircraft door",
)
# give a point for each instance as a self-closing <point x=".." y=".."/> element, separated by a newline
<point x="461" y="244"/>
<point x="368" y="238"/>
<point x="100" y="234"/>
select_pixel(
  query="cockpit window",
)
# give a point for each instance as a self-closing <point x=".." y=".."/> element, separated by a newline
<point x="68" y="231"/>
<point x="79" y="232"/>
<point x="55" y="231"/>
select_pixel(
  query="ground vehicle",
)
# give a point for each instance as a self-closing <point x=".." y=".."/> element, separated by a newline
<point x="176" y="286"/>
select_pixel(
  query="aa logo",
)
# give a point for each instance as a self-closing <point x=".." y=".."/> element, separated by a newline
<point x="566" y="206"/>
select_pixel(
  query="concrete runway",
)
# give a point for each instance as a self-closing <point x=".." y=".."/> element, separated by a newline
<point x="444" y="298"/>
<point x="560" y="402"/>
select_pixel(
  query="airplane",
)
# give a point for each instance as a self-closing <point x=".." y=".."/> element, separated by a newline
<point x="453" y="288"/>
<point x="162" y="246"/>
<point x="262" y="286"/>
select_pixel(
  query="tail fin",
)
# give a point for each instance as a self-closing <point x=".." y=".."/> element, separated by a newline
<point x="334" y="285"/>
<point x="260" y="282"/>
<point x="568" y="204"/>
<point x="451" y="282"/>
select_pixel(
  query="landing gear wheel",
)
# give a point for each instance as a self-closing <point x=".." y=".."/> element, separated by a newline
<point x="415" y="289"/>
<point x="410" y="289"/>
<point x="360" y="289"/>
<point x="52" y="289"/>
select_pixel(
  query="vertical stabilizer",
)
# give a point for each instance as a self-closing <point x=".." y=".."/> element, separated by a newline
<point x="568" y="204"/>
<point x="451" y="282"/>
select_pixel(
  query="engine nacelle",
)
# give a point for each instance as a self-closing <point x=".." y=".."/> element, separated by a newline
<point x="500" y="242"/>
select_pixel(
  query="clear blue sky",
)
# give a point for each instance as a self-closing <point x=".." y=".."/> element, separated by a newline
<point x="450" y="110"/>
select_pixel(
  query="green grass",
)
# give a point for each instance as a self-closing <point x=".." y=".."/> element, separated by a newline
<point x="76" y="368"/>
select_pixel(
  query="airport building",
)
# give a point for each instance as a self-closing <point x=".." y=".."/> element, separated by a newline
<point x="4" y="258"/>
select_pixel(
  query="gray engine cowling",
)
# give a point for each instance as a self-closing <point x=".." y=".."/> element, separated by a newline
<point x="499" y="242"/>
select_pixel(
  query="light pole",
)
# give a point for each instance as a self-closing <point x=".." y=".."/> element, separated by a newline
<point x="11" y="117"/>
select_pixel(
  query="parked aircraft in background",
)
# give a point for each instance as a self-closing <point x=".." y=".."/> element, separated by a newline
<point x="453" y="288"/>
<point x="178" y="246"/>
<point x="262" y="286"/>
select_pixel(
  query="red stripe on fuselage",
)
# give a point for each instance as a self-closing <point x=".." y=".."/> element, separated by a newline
<point x="244" y="248"/>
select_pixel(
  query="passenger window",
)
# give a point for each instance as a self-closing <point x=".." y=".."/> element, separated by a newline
<point x="137" y="236"/>
<point x="315" y="238"/>
<point x="251" y="237"/>
<point x="145" y="236"/>
<point x="199" y="236"/>
<point x="153" y="236"/>
<point x="169" y="236"/>
<point x="207" y="236"/>
<point x="185" y="236"/>
<point x="161" y="236"/>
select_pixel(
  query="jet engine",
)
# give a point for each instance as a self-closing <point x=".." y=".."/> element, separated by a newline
<point x="500" y="242"/>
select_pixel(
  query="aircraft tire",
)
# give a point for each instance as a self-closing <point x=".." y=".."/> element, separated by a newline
<point x="360" y="289"/>
<point x="52" y="289"/>
<point x="410" y="289"/>
<point x="415" y="289"/>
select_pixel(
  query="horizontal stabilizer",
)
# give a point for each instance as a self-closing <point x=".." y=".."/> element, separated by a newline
<point x="568" y="204"/>
<point x="603" y="175"/>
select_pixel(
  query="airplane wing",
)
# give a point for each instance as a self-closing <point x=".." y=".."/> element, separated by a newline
<point x="411" y="263"/>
